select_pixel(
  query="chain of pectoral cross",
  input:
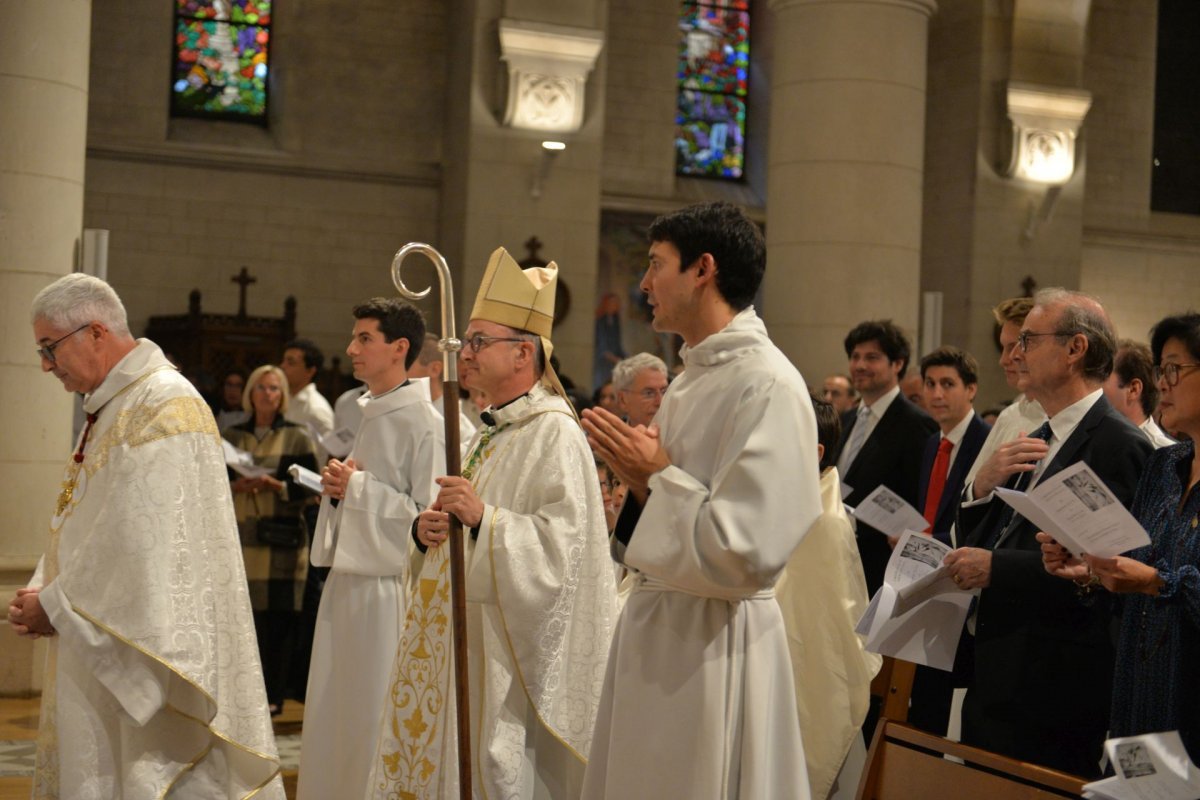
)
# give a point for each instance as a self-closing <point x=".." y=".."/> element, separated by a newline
<point x="68" y="486"/>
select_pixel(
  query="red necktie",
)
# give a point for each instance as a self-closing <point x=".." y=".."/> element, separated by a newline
<point x="937" y="480"/>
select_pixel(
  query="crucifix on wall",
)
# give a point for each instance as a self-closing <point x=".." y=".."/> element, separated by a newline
<point x="243" y="280"/>
<point x="562" y="295"/>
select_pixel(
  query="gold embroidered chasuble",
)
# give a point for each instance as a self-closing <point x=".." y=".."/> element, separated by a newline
<point x="541" y="604"/>
<point x="153" y="686"/>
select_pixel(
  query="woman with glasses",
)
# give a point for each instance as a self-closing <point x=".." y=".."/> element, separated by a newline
<point x="268" y="508"/>
<point x="1154" y="688"/>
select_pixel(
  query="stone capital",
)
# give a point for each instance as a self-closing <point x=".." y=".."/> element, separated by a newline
<point x="548" y="67"/>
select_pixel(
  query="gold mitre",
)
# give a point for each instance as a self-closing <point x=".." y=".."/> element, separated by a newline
<point x="521" y="299"/>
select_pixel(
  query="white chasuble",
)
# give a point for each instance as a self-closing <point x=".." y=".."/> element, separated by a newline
<point x="540" y="604"/>
<point x="366" y="539"/>
<point x="698" y="698"/>
<point x="153" y="686"/>
<point x="822" y="594"/>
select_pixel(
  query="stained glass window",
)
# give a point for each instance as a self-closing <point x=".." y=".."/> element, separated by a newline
<point x="714" y="67"/>
<point x="221" y="59"/>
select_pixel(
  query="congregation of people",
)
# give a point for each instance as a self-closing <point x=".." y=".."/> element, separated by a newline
<point x="663" y="579"/>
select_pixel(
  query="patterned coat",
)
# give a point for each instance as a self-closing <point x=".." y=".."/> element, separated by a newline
<point x="276" y="575"/>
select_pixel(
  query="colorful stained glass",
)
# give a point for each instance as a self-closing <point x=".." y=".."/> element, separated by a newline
<point x="715" y="53"/>
<point x="221" y="61"/>
<point x="710" y="135"/>
<point x="713" y="74"/>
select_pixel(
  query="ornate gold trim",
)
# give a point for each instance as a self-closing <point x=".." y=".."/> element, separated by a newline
<point x="516" y="661"/>
<point x="208" y="697"/>
<point x="144" y="425"/>
<point x="187" y="768"/>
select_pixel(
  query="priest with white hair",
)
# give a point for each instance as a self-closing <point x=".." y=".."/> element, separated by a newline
<point x="153" y="686"/>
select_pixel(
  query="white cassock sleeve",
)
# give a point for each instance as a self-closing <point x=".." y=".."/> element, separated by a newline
<point x="138" y="683"/>
<point x="735" y="535"/>
<point x="370" y="531"/>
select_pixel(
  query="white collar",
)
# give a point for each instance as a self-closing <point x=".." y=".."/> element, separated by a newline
<point x="957" y="433"/>
<point x="1063" y="423"/>
<point x="880" y="406"/>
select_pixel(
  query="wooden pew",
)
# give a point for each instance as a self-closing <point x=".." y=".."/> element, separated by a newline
<point x="904" y="763"/>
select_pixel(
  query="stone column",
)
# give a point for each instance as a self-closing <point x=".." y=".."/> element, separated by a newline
<point x="846" y="161"/>
<point x="43" y="132"/>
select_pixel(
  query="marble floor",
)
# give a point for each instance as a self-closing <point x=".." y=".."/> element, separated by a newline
<point x="18" y="733"/>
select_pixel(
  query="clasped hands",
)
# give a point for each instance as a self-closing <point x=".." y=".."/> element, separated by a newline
<point x="26" y="615"/>
<point x="336" y="476"/>
<point x="632" y="452"/>
<point x="1117" y="574"/>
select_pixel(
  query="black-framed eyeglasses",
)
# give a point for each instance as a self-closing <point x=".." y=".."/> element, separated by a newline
<point x="1170" y="372"/>
<point x="479" y="341"/>
<point x="47" y="351"/>
<point x="1024" y="337"/>
<point x="649" y="394"/>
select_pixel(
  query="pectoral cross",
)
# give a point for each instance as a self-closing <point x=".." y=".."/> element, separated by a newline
<point x="64" y="497"/>
<point x="243" y="280"/>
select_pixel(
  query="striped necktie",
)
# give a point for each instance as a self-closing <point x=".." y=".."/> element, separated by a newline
<point x="1018" y="482"/>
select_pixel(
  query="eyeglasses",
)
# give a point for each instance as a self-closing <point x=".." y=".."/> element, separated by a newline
<point x="1170" y="372"/>
<point x="1025" y="336"/>
<point x="47" y="351"/>
<point x="650" y="394"/>
<point x="479" y="341"/>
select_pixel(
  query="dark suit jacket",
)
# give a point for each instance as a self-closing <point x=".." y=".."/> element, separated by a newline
<point x="890" y="456"/>
<point x="968" y="448"/>
<point x="1043" y="660"/>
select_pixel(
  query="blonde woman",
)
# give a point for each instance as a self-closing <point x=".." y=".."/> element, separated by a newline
<point x="268" y="508"/>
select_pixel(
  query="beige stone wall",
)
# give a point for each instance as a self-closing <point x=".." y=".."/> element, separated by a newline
<point x="643" y="48"/>
<point x="314" y="205"/>
<point x="326" y="239"/>
<point x="1142" y="279"/>
<point x="1142" y="265"/>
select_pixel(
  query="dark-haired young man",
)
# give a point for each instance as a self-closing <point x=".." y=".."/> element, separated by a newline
<point x="363" y="531"/>
<point x="950" y="378"/>
<point x="719" y="497"/>
<point x="301" y="362"/>
<point x="883" y="441"/>
<point x="1132" y="390"/>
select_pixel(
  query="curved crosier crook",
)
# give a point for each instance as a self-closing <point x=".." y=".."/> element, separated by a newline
<point x="449" y="344"/>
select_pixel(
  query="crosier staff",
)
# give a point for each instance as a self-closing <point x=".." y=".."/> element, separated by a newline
<point x="450" y="346"/>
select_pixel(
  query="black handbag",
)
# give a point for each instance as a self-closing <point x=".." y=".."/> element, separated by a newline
<point x="283" y="532"/>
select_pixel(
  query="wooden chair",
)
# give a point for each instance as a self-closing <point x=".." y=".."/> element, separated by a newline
<point x="904" y="763"/>
<point x="893" y="686"/>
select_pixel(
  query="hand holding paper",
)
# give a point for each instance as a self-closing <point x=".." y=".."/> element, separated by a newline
<point x="1080" y="512"/>
<point x="918" y="613"/>
<point x="242" y="462"/>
